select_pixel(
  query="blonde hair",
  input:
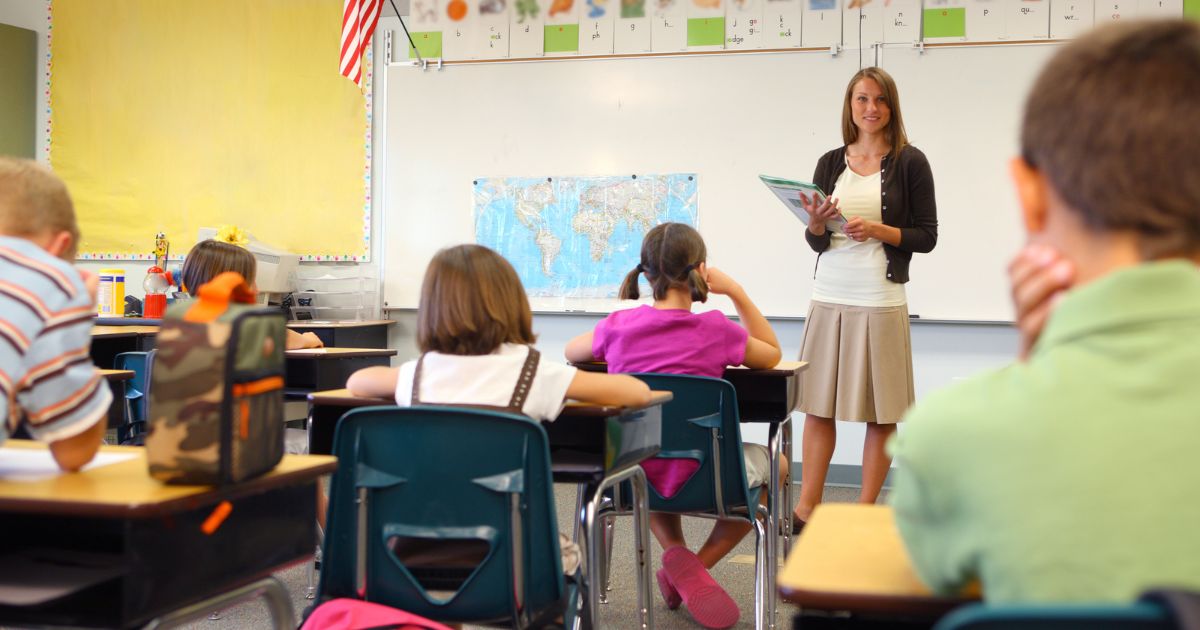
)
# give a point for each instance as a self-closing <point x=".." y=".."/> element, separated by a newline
<point x="471" y="302"/>
<point x="35" y="202"/>
<point x="671" y="256"/>
<point x="210" y="258"/>
<point x="894" y="132"/>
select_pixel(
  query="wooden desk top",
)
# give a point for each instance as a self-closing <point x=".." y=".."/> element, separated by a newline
<point x="116" y="375"/>
<point x="126" y="489"/>
<point x="339" y="353"/>
<point x="574" y="408"/>
<point x="315" y="323"/>
<point x="850" y="557"/>
<point x="107" y="332"/>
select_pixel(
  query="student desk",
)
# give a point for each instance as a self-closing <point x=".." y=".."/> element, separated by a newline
<point x="317" y="369"/>
<point x="150" y="534"/>
<point x="351" y="334"/>
<point x="850" y="558"/>
<point x="109" y="341"/>
<point x="593" y="446"/>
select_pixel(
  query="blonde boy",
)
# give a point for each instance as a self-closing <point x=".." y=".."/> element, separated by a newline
<point x="47" y="380"/>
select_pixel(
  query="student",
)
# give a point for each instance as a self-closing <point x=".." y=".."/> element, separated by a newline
<point x="46" y="310"/>
<point x="210" y="258"/>
<point x="668" y="337"/>
<point x="1062" y="478"/>
<point x="475" y="334"/>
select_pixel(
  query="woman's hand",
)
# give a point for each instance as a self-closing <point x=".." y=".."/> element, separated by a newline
<point x="859" y="229"/>
<point x="1039" y="277"/>
<point x="818" y="214"/>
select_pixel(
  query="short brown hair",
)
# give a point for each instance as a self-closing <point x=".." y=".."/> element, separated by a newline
<point x="34" y="202"/>
<point x="1113" y="122"/>
<point x="471" y="302"/>
<point x="896" y="136"/>
<point x="671" y="255"/>
<point x="209" y="258"/>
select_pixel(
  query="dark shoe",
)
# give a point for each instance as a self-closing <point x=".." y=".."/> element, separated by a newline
<point x="797" y="525"/>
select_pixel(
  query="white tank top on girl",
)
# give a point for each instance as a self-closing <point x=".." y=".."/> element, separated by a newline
<point x="850" y="272"/>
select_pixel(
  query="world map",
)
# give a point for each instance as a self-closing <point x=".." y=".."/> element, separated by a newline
<point x="577" y="236"/>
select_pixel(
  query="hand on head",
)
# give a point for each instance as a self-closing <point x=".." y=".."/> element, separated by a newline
<point x="1039" y="276"/>
<point x="719" y="282"/>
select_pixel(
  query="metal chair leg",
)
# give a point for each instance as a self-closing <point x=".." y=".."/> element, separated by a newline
<point x="641" y="518"/>
<point x="270" y="589"/>
<point x="762" y="570"/>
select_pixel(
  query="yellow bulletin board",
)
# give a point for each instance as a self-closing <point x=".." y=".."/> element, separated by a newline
<point x="172" y="116"/>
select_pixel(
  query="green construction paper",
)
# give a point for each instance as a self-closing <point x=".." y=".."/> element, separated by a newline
<point x="561" y="38"/>
<point x="706" y="31"/>
<point x="946" y="22"/>
<point x="1191" y="9"/>
<point x="429" y="44"/>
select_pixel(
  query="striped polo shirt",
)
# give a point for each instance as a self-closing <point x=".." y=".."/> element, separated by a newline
<point x="47" y="378"/>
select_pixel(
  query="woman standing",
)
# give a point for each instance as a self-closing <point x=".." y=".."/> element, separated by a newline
<point x="856" y="336"/>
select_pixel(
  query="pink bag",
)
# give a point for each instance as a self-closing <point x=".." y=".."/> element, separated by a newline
<point x="353" y="614"/>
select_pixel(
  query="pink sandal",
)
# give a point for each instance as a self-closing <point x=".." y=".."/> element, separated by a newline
<point x="706" y="601"/>
<point x="669" y="594"/>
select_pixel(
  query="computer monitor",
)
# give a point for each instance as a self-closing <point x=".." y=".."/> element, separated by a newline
<point x="275" y="268"/>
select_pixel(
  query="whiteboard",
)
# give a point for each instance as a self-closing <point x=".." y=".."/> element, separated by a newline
<point x="727" y="118"/>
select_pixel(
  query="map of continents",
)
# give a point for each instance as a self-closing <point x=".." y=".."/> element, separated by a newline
<point x="577" y="236"/>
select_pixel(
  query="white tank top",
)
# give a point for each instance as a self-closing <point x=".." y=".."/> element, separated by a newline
<point x="850" y="272"/>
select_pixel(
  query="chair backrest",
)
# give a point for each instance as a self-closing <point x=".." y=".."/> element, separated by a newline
<point x="410" y="481"/>
<point x="701" y="423"/>
<point x="137" y="389"/>
<point x="1137" y="616"/>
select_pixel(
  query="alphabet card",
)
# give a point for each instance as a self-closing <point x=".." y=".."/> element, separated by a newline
<point x="492" y="29"/>
<point x="459" y="38"/>
<point x="744" y="24"/>
<point x="705" y="24"/>
<point x="526" y="29"/>
<point x="668" y="26"/>
<point x="782" y="23"/>
<point x="862" y="23"/>
<point x="1027" y="19"/>
<point x="562" y="27"/>
<point x="596" y="26"/>
<point x="822" y="23"/>
<point x="946" y="20"/>
<point x="632" y="31"/>
<point x="1113" y="10"/>
<point x="1069" y="18"/>
<point x="985" y="20"/>
<point x="901" y="21"/>
<point x="426" y="29"/>
<point x="1160" y="8"/>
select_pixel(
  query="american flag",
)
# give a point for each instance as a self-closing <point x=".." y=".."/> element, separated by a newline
<point x="359" y="18"/>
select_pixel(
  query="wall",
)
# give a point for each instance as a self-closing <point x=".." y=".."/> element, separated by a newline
<point x="31" y="14"/>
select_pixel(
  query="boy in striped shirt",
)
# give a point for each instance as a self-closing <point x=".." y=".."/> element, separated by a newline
<point x="47" y="379"/>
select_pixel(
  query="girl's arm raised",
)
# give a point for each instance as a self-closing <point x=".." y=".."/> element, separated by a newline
<point x="376" y="382"/>
<point x="762" y="348"/>
<point x="608" y="389"/>
<point x="579" y="349"/>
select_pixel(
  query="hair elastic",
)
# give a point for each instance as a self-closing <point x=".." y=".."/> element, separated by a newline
<point x="640" y="268"/>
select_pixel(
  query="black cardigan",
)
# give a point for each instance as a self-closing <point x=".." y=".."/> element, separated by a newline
<point x="907" y="200"/>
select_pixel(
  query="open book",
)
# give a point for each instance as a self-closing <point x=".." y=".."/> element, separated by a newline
<point x="789" y="191"/>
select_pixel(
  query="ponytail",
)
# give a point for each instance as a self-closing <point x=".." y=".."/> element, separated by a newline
<point x="698" y="285"/>
<point x="629" y="287"/>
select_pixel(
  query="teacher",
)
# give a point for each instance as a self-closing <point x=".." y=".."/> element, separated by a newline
<point x="856" y="336"/>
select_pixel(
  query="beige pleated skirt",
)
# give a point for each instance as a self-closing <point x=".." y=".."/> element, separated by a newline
<point x="860" y="363"/>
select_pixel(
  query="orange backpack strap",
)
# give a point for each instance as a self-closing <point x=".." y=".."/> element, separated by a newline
<point x="214" y="297"/>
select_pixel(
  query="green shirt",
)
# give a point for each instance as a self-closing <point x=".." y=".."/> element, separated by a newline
<point x="1074" y="476"/>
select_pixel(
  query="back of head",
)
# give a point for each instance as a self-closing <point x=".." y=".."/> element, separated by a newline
<point x="671" y="256"/>
<point x="34" y="202"/>
<point x="472" y="302"/>
<point x="1112" y="123"/>
<point x="210" y="258"/>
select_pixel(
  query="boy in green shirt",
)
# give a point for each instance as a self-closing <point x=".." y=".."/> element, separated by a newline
<point x="1069" y="477"/>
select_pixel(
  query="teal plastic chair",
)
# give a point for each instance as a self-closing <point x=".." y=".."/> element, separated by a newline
<point x="137" y="395"/>
<point x="1136" y="616"/>
<point x="447" y="513"/>
<point x="701" y="423"/>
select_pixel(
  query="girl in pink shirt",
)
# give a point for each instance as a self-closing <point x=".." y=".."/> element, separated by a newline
<point x="667" y="337"/>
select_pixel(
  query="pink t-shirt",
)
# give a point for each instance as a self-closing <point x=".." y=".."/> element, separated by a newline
<point x="671" y="341"/>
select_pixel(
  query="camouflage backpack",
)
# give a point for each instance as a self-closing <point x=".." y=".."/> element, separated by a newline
<point x="216" y="397"/>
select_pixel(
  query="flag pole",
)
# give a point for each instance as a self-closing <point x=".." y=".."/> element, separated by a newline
<point x="406" y="33"/>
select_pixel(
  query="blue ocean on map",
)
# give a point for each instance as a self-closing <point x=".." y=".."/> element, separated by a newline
<point x="577" y="236"/>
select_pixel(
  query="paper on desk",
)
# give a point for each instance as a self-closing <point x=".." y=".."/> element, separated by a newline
<point x="35" y="576"/>
<point x="28" y="465"/>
